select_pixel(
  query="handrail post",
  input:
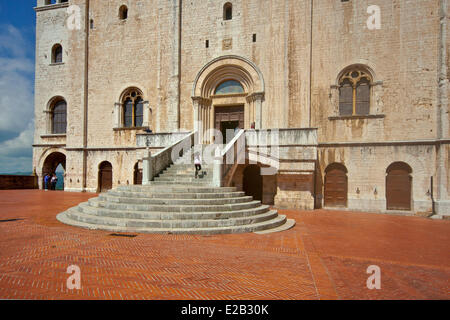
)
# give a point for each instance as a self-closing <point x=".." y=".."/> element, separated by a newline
<point x="217" y="168"/>
<point x="147" y="172"/>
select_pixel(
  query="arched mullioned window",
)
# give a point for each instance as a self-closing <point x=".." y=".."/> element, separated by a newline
<point x="228" y="11"/>
<point x="354" y="92"/>
<point x="59" y="117"/>
<point x="229" y="87"/>
<point x="133" y="108"/>
<point x="57" y="54"/>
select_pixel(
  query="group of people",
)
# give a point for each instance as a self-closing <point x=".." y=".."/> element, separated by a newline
<point x="50" y="182"/>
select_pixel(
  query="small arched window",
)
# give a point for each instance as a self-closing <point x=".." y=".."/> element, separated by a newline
<point x="57" y="54"/>
<point x="59" y="117"/>
<point x="354" y="93"/>
<point x="229" y="87"/>
<point x="133" y="109"/>
<point x="227" y="11"/>
<point x="123" y="12"/>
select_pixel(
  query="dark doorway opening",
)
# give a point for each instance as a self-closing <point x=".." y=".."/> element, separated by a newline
<point x="105" y="177"/>
<point x="229" y="119"/>
<point x="55" y="163"/>
<point x="253" y="182"/>
<point x="228" y="129"/>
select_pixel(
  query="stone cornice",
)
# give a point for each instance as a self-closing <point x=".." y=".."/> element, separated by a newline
<point x="383" y="143"/>
<point x="356" y="117"/>
<point x="52" y="6"/>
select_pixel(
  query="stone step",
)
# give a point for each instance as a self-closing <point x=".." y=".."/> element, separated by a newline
<point x="158" y="215"/>
<point x="176" y="189"/>
<point x="203" y="183"/>
<point x="265" y="225"/>
<point x="185" y="180"/>
<point x="187" y="172"/>
<point x="185" y="175"/>
<point x="290" y="223"/>
<point x="95" y="202"/>
<point x="178" y="195"/>
<point x="172" y="201"/>
<point x="176" y="203"/>
<point x="169" y="224"/>
<point x="190" y="166"/>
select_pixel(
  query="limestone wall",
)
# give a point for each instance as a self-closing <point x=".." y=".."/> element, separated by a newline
<point x="367" y="167"/>
<point x="297" y="54"/>
<point x="402" y="55"/>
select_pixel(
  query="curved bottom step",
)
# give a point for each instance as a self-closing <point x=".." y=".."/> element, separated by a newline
<point x="261" y="226"/>
<point x="290" y="223"/>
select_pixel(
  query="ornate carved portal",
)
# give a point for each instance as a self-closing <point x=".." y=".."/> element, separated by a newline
<point x="227" y="83"/>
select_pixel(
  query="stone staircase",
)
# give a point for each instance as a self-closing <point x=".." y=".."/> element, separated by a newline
<point x="176" y="203"/>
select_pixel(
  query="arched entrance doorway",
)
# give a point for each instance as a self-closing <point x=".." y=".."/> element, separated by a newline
<point x="137" y="180"/>
<point x="105" y="177"/>
<point x="335" y="186"/>
<point x="253" y="182"/>
<point x="228" y="93"/>
<point x="398" y="186"/>
<point x="55" y="163"/>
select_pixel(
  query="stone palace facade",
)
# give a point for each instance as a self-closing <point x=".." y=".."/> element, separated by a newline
<point x="360" y="110"/>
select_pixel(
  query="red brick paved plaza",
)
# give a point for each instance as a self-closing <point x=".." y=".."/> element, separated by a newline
<point x="324" y="257"/>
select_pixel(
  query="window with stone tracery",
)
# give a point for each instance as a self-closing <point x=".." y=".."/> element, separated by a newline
<point x="133" y="109"/>
<point x="354" y="93"/>
<point x="59" y="117"/>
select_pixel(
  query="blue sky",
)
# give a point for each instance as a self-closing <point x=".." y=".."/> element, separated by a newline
<point x="17" y="45"/>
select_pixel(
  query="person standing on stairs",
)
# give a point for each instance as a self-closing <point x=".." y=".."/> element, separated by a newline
<point x="197" y="163"/>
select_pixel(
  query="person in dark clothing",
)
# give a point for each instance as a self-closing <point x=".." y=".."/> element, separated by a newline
<point x="46" y="181"/>
<point x="53" y="181"/>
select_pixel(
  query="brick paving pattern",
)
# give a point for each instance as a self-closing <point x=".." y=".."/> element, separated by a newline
<point x="325" y="256"/>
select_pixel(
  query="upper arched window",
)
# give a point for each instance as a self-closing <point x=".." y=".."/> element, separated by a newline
<point x="229" y="87"/>
<point x="57" y="53"/>
<point x="123" y="12"/>
<point x="227" y="11"/>
<point x="354" y="93"/>
<point x="133" y="108"/>
<point x="59" y="117"/>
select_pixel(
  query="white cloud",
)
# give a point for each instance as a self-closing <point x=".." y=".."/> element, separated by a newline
<point x="16" y="101"/>
<point x="16" y="154"/>
<point x="12" y="41"/>
<point x="19" y="146"/>
<point x="16" y="85"/>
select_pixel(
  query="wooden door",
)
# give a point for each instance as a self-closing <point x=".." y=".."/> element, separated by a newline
<point x="105" y="177"/>
<point x="229" y="114"/>
<point x="336" y="186"/>
<point x="398" y="187"/>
